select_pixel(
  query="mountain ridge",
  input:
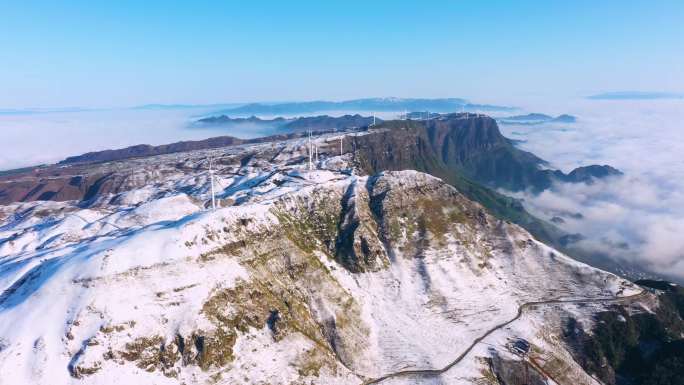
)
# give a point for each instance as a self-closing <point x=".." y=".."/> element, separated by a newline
<point x="367" y="104"/>
<point x="471" y="145"/>
<point x="316" y="123"/>
<point x="536" y="118"/>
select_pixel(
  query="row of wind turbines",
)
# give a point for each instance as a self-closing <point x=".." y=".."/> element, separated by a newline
<point x="312" y="150"/>
<point x="312" y="153"/>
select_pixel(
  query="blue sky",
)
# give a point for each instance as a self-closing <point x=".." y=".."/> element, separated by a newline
<point x="120" y="53"/>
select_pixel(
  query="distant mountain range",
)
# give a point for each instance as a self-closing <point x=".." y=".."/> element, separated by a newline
<point x="292" y="108"/>
<point x="368" y="104"/>
<point x="536" y="118"/>
<point x="225" y="120"/>
<point x="636" y="95"/>
<point x="315" y="123"/>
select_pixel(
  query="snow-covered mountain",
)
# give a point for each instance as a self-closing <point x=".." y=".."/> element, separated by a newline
<point x="301" y="275"/>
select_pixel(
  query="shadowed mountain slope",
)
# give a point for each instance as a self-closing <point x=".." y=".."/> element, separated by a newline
<point x="463" y="145"/>
<point x="469" y="152"/>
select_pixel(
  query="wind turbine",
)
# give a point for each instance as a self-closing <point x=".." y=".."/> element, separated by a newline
<point x="310" y="150"/>
<point x="211" y="177"/>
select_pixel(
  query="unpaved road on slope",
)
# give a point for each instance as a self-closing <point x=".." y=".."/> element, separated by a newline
<point x="521" y="308"/>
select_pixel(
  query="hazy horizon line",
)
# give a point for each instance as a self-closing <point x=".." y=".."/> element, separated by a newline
<point x="607" y="95"/>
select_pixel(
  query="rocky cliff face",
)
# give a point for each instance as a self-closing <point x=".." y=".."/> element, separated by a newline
<point x="460" y="146"/>
<point x="301" y="276"/>
<point x="628" y="345"/>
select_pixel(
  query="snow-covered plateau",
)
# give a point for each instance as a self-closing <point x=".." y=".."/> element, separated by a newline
<point x="301" y="275"/>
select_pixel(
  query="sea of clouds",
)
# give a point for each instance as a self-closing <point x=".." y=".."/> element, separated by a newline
<point x="637" y="218"/>
<point x="29" y="139"/>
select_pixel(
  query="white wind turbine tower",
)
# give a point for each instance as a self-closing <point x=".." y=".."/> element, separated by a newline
<point x="316" y="147"/>
<point x="310" y="151"/>
<point x="211" y="178"/>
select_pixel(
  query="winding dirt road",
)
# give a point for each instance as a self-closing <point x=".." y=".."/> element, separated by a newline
<point x="521" y="309"/>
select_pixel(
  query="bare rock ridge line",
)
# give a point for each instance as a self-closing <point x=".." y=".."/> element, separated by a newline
<point x="521" y="308"/>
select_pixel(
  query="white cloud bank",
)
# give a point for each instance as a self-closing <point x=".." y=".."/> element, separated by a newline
<point x="637" y="218"/>
<point x="48" y="137"/>
<point x="31" y="139"/>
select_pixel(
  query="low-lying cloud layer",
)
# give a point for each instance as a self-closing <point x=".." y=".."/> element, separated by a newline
<point x="31" y="139"/>
<point x="638" y="218"/>
<point x="28" y="139"/>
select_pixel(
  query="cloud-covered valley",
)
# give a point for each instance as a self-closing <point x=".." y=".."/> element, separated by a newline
<point x="637" y="218"/>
